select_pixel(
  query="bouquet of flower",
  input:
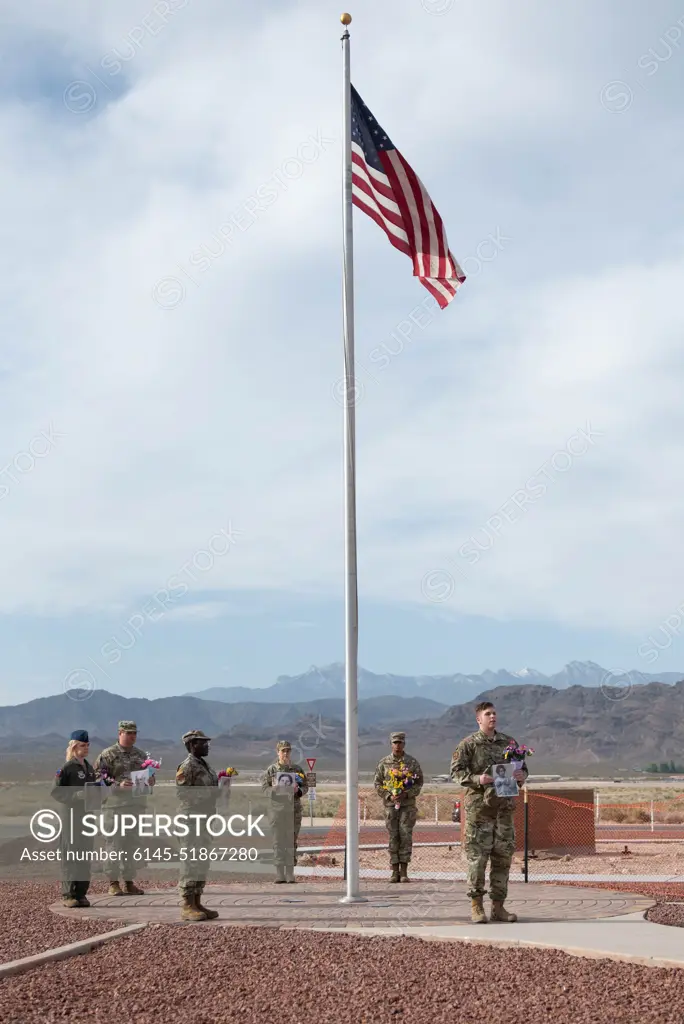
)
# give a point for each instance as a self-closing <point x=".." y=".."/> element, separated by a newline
<point x="400" y="779"/>
<point x="149" y="762"/>
<point x="224" y="777"/>
<point x="105" y="778"/>
<point x="514" y="753"/>
<point x="301" y="781"/>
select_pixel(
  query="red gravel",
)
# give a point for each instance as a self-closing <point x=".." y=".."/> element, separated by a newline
<point x="176" y="975"/>
<point x="667" y="913"/>
<point x="29" y="926"/>
<point x="661" y="891"/>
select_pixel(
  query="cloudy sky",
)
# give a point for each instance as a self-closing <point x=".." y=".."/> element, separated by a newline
<point x="171" y="422"/>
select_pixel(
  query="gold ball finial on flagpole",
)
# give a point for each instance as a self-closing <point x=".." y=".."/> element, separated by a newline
<point x="345" y="19"/>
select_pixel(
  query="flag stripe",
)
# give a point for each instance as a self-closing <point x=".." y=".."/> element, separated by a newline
<point x="408" y="212"/>
<point x="436" y="253"/>
<point x="361" y="199"/>
<point x="379" y="182"/>
<point x="366" y="198"/>
<point x="385" y="199"/>
<point x="398" y="243"/>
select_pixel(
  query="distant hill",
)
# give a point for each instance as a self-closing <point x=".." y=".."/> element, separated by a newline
<point x="328" y="682"/>
<point x="167" y="718"/>
<point x="579" y="725"/>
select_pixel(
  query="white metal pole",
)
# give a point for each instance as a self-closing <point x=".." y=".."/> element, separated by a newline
<point x="351" y="584"/>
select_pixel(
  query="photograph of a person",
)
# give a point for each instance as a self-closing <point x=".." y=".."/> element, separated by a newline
<point x="286" y="779"/>
<point x="504" y="783"/>
<point x="141" y="782"/>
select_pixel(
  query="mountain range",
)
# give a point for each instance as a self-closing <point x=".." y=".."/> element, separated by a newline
<point x="167" y="718"/>
<point x="328" y="681"/>
<point x="577" y="727"/>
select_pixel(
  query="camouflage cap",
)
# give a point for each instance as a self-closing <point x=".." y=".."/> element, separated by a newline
<point x="398" y="737"/>
<point x="128" y="727"/>
<point x="283" y="745"/>
<point x="195" y="734"/>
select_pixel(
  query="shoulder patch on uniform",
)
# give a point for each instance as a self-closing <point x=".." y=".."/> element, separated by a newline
<point x="58" y="773"/>
<point x="180" y="776"/>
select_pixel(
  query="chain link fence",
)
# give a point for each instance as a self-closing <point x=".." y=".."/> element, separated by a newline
<point x="559" y="837"/>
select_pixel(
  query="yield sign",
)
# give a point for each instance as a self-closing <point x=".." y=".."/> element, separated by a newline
<point x="311" y="761"/>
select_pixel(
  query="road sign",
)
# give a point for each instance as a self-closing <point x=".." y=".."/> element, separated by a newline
<point x="311" y="780"/>
<point x="311" y="761"/>
<point x="312" y="795"/>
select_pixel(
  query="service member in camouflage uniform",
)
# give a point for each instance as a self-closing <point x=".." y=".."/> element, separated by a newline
<point x="285" y="807"/>
<point x="399" y="823"/>
<point x="489" y="831"/>
<point x="197" y="791"/>
<point x="117" y="762"/>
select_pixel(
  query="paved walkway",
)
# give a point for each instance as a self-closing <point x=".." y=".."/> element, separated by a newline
<point x="588" y="922"/>
<point x="397" y="906"/>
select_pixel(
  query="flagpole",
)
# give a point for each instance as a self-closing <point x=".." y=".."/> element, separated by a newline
<point x="351" y="585"/>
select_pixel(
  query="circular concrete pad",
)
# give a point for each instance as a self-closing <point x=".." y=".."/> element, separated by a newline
<point x="317" y="905"/>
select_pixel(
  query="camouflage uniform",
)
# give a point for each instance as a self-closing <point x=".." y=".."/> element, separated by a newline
<point x="284" y="841"/>
<point x="489" y="831"/>
<point x="118" y="763"/>
<point x="197" y="791"/>
<point x="399" y="823"/>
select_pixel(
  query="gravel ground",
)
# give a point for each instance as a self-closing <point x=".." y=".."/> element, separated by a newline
<point x="28" y="925"/>
<point x="272" y="977"/>
<point x="661" y="891"/>
<point x="667" y="913"/>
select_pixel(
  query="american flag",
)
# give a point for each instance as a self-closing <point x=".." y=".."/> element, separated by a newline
<point x="386" y="188"/>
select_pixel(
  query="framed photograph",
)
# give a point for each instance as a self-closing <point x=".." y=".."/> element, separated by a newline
<point x="141" y="782"/>
<point x="504" y="783"/>
<point x="286" y="780"/>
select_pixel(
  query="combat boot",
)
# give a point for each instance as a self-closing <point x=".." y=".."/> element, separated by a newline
<point x="132" y="890"/>
<point x="499" y="913"/>
<point x="115" y="889"/>
<point x="403" y="871"/>
<point x="395" y="873"/>
<point x="477" y="912"/>
<point x="83" y="902"/>
<point x="210" y="915"/>
<point x="290" y="875"/>
<point x="280" y="875"/>
<point x="71" y="902"/>
<point x="190" y="911"/>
